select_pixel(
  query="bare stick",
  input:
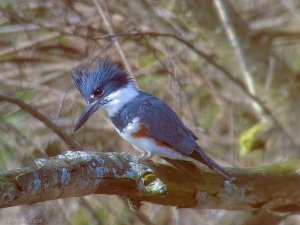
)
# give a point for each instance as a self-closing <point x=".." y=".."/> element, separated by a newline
<point x="36" y="114"/>
<point x="26" y="44"/>
<point x="216" y="65"/>
<point x="239" y="51"/>
<point x="110" y="30"/>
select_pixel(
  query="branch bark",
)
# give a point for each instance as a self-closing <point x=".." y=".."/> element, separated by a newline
<point x="80" y="173"/>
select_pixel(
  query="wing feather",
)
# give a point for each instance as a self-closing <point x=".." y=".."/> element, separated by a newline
<point x="164" y="125"/>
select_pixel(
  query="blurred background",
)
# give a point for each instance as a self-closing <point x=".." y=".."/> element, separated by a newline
<point x="230" y="69"/>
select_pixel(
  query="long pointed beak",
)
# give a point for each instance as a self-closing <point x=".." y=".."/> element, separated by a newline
<point x="88" y="111"/>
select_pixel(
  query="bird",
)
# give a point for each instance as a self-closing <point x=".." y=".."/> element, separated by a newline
<point x="143" y="120"/>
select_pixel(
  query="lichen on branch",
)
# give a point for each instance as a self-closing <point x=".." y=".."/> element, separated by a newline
<point x="78" y="174"/>
<point x="74" y="174"/>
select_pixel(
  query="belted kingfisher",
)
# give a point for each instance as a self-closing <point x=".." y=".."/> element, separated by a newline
<point x="143" y="120"/>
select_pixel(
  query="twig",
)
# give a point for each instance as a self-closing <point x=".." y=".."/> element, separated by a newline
<point x="18" y="28"/>
<point x="111" y="32"/>
<point x="201" y="54"/>
<point x="239" y="51"/>
<point x="260" y="108"/>
<point x="270" y="73"/>
<point x="36" y="114"/>
<point x="57" y="114"/>
<point x="211" y="61"/>
<point x="26" y="44"/>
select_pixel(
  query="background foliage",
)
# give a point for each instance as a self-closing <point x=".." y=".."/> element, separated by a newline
<point x="177" y="50"/>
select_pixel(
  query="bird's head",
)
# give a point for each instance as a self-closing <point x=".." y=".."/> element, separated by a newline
<point x="105" y="86"/>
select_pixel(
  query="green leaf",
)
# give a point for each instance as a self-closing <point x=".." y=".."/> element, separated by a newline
<point x="253" y="138"/>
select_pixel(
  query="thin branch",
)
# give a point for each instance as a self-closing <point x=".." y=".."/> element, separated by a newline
<point x="201" y="54"/>
<point x="26" y="44"/>
<point x="76" y="174"/>
<point x="36" y="114"/>
<point x="111" y="32"/>
<point x="239" y="51"/>
<point x="207" y="58"/>
<point x="57" y="114"/>
<point x="18" y="28"/>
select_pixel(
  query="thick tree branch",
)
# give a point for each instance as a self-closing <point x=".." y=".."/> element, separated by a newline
<point x="78" y="174"/>
<point x="272" y="188"/>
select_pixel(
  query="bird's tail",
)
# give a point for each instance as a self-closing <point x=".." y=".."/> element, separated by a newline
<point x="199" y="155"/>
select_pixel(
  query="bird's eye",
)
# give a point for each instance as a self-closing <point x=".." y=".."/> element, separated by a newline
<point x="98" y="92"/>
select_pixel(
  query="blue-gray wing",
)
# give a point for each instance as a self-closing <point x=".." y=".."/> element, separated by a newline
<point x="164" y="126"/>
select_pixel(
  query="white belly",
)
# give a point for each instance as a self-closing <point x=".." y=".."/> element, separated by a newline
<point x="147" y="145"/>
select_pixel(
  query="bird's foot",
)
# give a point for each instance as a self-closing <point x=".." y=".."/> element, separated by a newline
<point x="146" y="156"/>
